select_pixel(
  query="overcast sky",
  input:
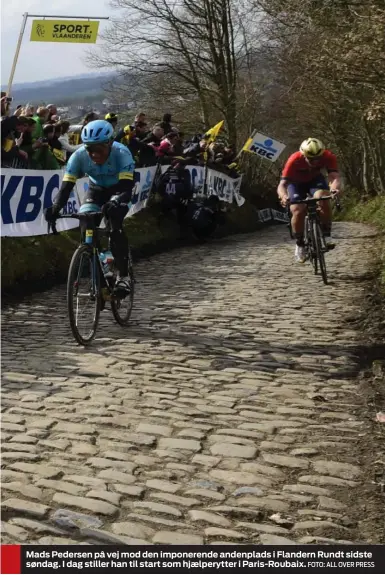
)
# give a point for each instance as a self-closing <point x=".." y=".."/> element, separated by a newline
<point x="44" y="60"/>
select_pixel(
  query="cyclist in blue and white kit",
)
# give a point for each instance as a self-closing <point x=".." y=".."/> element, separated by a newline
<point x="110" y="168"/>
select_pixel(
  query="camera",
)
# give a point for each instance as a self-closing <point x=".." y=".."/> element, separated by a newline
<point x="44" y="140"/>
<point x="9" y="99"/>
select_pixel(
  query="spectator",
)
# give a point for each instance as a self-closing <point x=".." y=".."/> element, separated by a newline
<point x="28" y="111"/>
<point x="154" y="137"/>
<point x="43" y="157"/>
<point x="141" y="117"/>
<point x="141" y="130"/>
<point x="5" y="104"/>
<point x="64" y="140"/>
<point x="178" y="146"/>
<point x="27" y="144"/>
<point x="166" y="123"/>
<point x="195" y="150"/>
<point x="125" y="134"/>
<point x="52" y="111"/>
<point x="76" y="129"/>
<point x="166" y="149"/>
<point x="11" y="154"/>
<point x="56" y="146"/>
<point x="175" y="190"/>
<point x="18" y="111"/>
<point x="112" y="119"/>
<point x="40" y="119"/>
<point x="143" y="154"/>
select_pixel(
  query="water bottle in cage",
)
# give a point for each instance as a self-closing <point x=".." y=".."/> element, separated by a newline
<point x="106" y="259"/>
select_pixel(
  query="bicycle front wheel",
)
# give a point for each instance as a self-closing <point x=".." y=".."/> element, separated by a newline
<point x="320" y="254"/>
<point x="83" y="295"/>
<point x="122" y="307"/>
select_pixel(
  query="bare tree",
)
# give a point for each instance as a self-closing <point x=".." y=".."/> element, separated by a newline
<point x="183" y="52"/>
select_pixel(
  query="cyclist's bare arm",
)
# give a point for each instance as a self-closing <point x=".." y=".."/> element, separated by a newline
<point x="282" y="192"/>
<point x="334" y="180"/>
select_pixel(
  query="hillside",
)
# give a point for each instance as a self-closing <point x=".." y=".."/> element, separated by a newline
<point x="61" y="90"/>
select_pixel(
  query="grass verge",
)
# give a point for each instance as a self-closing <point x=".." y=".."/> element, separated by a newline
<point x="368" y="211"/>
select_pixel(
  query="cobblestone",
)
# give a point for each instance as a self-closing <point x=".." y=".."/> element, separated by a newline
<point x="174" y="538"/>
<point x="337" y="469"/>
<point x="133" y="530"/>
<point x="23" y="506"/>
<point x="206" y="421"/>
<point x="267" y="539"/>
<point x="27" y="490"/>
<point x="187" y="444"/>
<point x="233" y="450"/>
<point x="163" y="485"/>
<point x="96" y="506"/>
<point x="207" y="517"/>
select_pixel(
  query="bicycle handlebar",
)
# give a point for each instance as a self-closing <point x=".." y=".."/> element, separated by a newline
<point x="84" y="216"/>
<point x="322" y="198"/>
<point x="314" y="200"/>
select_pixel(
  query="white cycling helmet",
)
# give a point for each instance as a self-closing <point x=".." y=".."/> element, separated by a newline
<point x="312" y="147"/>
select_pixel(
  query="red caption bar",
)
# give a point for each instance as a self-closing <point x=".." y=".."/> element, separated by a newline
<point x="10" y="559"/>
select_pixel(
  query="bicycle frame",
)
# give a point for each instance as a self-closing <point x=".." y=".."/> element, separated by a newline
<point x="89" y="233"/>
<point x="312" y="209"/>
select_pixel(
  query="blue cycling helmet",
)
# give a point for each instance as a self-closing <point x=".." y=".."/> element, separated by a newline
<point x="97" y="132"/>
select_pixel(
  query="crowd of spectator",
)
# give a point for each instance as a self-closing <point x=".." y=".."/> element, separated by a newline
<point x="39" y="139"/>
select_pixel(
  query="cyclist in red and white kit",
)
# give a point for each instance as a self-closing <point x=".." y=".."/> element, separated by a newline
<point x="313" y="171"/>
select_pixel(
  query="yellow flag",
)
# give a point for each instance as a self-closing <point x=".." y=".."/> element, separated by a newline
<point x="213" y="132"/>
<point x="79" y="31"/>
<point x="246" y="147"/>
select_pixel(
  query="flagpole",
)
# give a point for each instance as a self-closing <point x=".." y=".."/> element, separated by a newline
<point x="18" y="46"/>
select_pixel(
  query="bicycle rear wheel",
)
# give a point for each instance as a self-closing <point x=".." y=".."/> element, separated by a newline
<point x="83" y="295"/>
<point x="320" y="254"/>
<point x="122" y="308"/>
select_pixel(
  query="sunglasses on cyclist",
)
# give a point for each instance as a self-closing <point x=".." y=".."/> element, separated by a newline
<point x="96" y="148"/>
<point x="314" y="159"/>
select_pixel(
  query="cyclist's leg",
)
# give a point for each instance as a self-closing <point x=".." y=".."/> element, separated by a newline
<point x="119" y="246"/>
<point x="297" y="192"/>
<point x="92" y="201"/>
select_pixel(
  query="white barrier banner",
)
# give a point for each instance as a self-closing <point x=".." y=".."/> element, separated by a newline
<point x="26" y="193"/>
<point x="144" y="178"/>
<point x="270" y="214"/>
<point x="264" y="215"/>
<point x="280" y="216"/>
<point x="218" y="184"/>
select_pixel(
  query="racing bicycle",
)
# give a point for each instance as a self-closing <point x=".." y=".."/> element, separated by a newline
<point x="314" y="238"/>
<point x="90" y="283"/>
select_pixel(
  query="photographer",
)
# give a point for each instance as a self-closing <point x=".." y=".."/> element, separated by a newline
<point x="176" y="191"/>
<point x="12" y="129"/>
<point x="43" y="157"/>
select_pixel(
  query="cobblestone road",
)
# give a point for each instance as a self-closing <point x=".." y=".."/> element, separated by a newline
<point x="227" y="412"/>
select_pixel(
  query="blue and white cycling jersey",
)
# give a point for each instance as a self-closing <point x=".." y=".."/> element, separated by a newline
<point x="119" y="166"/>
